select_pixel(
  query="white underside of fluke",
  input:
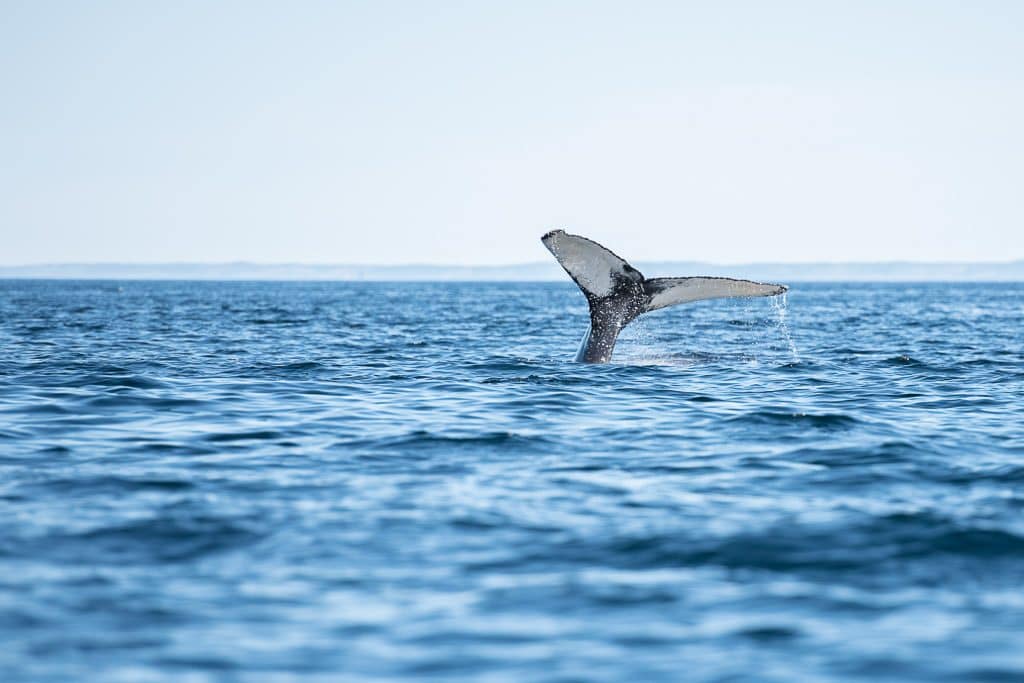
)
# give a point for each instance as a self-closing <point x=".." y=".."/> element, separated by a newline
<point x="669" y="291"/>
<point x="588" y="263"/>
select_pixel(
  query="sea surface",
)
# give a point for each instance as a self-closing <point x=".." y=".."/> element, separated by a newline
<point x="257" y="481"/>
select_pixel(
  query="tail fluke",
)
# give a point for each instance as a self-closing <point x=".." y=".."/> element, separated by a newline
<point x="594" y="268"/>
<point x="617" y="292"/>
<point x="669" y="291"/>
<point x="614" y="290"/>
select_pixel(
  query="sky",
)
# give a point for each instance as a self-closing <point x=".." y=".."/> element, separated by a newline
<point x="440" y="132"/>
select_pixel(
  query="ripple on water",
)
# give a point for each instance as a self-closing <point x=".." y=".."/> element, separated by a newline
<point x="822" y="421"/>
<point x="425" y="440"/>
<point x="154" y="540"/>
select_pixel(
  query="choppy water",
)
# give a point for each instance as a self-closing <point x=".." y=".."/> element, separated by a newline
<point x="347" y="481"/>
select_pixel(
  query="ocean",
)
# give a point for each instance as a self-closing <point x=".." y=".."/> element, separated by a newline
<point x="357" y="481"/>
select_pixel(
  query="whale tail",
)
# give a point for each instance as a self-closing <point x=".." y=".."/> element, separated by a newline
<point x="617" y="292"/>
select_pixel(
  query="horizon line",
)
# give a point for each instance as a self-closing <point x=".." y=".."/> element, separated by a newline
<point x="523" y="264"/>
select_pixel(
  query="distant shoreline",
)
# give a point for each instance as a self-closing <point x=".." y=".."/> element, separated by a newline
<point x="532" y="272"/>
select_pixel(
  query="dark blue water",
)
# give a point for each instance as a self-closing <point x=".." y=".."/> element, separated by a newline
<point x="348" y="481"/>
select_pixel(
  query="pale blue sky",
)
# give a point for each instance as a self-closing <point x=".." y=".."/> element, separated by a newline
<point x="458" y="132"/>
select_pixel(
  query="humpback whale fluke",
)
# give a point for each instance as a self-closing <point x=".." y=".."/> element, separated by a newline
<point x="617" y="292"/>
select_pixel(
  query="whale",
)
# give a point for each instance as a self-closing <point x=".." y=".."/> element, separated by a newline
<point x="618" y="293"/>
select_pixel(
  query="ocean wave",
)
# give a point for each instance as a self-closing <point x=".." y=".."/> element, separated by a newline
<point x="823" y="421"/>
